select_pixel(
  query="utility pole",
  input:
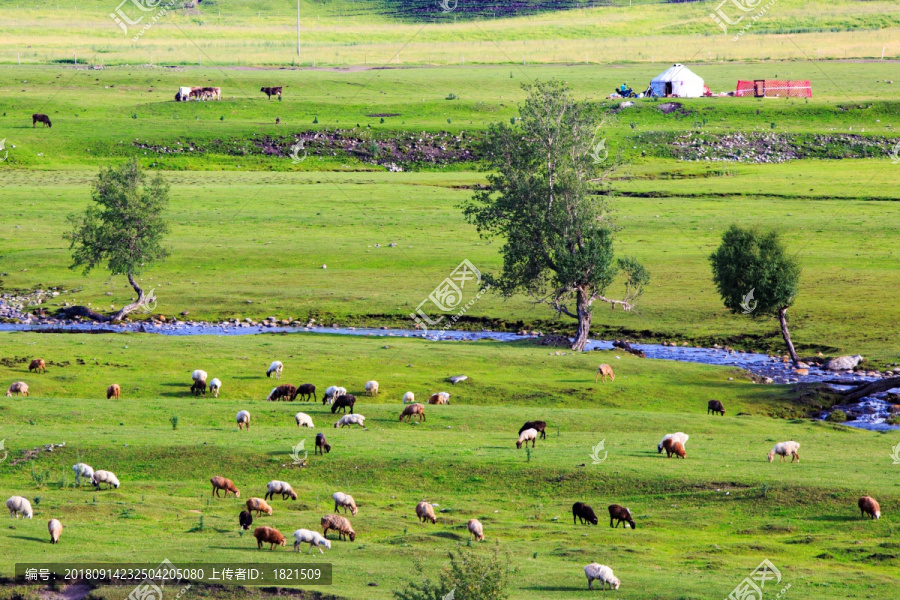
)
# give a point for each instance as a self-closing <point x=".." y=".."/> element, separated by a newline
<point x="298" y="27"/>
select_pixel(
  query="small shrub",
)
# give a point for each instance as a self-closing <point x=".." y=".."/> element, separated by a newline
<point x="134" y="115"/>
<point x="837" y="416"/>
<point x="452" y="96"/>
<point x="222" y="118"/>
<point x="174" y="421"/>
<point x="472" y="575"/>
<point x="382" y="119"/>
<point x="893" y="420"/>
<point x="316" y="120"/>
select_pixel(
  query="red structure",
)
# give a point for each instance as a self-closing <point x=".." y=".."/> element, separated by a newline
<point x="775" y="88"/>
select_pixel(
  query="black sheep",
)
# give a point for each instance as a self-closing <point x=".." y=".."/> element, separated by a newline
<point x="344" y="402"/>
<point x="305" y="391"/>
<point x="245" y="519"/>
<point x="620" y="514"/>
<point x="322" y="447"/>
<point x="582" y="511"/>
<point x="715" y="406"/>
<point x="199" y="388"/>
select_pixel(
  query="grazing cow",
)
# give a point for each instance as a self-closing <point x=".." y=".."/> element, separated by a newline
<point x="212" y="92"/>
<point x="604" y="371"/>
<point x="183" y="95"/>
<point x="306" y="391"/>
<point x="714" y="407"/>
<point x="39" y="118"/>
<point x="343" y="403"/>
<point x="271" y="91"/>
<point x="540" y="426"/>
<point x="582" y="511"/>
<point x="38" y="365"/>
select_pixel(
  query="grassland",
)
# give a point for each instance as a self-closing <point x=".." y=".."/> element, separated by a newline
<point x="703" y="523"/>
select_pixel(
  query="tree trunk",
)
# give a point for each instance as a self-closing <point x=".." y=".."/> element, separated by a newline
<point x="782" y="318"/>
<point x="871" y="387"/>
<point x="584" y="322"/>
<point x="134" y="305"/>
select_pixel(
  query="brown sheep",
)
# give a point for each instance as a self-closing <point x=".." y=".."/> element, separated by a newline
<point x="413" y="409"/>
<point x="113" y="391"/>
<point x="220" y="483"/>
<point x="259" y="505"/>
<point x="620" y="514"/>
<point x="322" y="446"/>
<point x="869" y="506"/>
<point x="268" y="535"/>
<point x="17" y="388"/>
<point x="439" y="398"/>
<point x="672" y="447"/>
<point x="604" y="371"/>
<point x="339" y="524"/>
<point x="283" y="392"/>
<point x="38" y="365"/>
<point x="425" y="512"/>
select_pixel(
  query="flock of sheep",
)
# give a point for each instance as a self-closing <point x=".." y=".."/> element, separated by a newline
<point x="673" y="444"/>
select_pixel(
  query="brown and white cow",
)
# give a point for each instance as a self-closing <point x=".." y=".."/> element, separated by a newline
<point x="271" y="91"/>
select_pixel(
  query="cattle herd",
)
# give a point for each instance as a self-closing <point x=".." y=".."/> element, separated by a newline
<point x="673" y="444"/>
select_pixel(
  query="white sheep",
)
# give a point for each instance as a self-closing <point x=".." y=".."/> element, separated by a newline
<point x="18" y="504"/>
<point x="303" y="420"/>
<point x="243" y="419"/>
<point x="333" y="392"/>
<point x="476" y="528"/>
<point x="83" y="470"/>
<point x="17" y="388"/>
<point x="409" y="398"/>
<point x="784" y="449"/>
<point x="345" y="501"/>
<point x="55" y="528"/>
<point x="199" y="375"/>
<point x="372" y="388"/>
<point x="107" y="477"/>
<point x="280" y="487"/>
<point x="528" y="435"/>
<point x="313" y="538"/>
<point x="276" y="367"/>
<point x="675" y="437"/>
<point x="214" y="386"/>
<point x="351" y="419"/>
<point x="601" y="573"/>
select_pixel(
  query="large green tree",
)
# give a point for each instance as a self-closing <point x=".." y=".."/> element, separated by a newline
<point x="755" y="275"/>
<point x="542" y="200"/>
<point x="123" y="229"/>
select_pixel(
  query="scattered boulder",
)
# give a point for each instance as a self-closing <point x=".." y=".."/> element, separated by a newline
<point x="843" y="363"/>
<point x="457" y="379"/>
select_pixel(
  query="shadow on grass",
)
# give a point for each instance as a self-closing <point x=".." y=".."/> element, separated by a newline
<point x="30" y="539"/>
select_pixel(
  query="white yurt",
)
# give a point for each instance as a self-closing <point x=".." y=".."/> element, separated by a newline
<point x="678" y="81"/>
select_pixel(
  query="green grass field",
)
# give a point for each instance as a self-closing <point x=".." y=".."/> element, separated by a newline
<point x="703" y="523"/>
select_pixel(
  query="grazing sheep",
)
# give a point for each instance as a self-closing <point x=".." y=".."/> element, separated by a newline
<point x="582" y="511"/>
<point x="215" y="386"/>
<point x="425" y="512"/>
<point x="348" y="420"/>
<point x="677" y="437"/>
<point x="198" y="388"/>
<point x="259" y="506"/>
<point x="343" y="402"/>
<point x="372" y="388"/>
<point x="268" y="535"/>
<point x="476" y="528"/>
<point x="280" y="487"/>
<point x="306" y="390"/>
<point x="281" y="392"/>
<point x="601" y="573"/>
<point x="411" y="410"/>
<point x="784" y="449"/>
<point x="243" y="420"/>
<point x="604" y="372"/>
<point x="714" y="406"/>
<point x="305" y="536"/>
<point x="331" y="393"/>
<point x="529" y="435"/>
<point x="620" y="514"/>
<point x="18" y="504"/>
<point x="113" y="391"/>
<point x="55" y="529"/>
<point x="409" y="398"/>
<point x="322" y="446"/>
<point x="39" y="118"/>
<point x="221" y="483"/>
<point x="245" y="519"/>
<point x="38" y="365"/>
<point x="276" y="367"/>
<point x="439" y="398"/>
<point x="672" y="447"/>
<point x="303" y="420"/>
<point x="339" y="524"/>
<point x="107" y="477"/>
<point x="541" y="426"/>
<point x="82" y="470"/>
<point x="199" y="375"/>
<point x="345" y="501"/>
<point x="869" y="506"/>
<point x="18" y="388"/>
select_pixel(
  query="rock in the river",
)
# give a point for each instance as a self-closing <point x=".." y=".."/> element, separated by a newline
<point x="843" y="363"/>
